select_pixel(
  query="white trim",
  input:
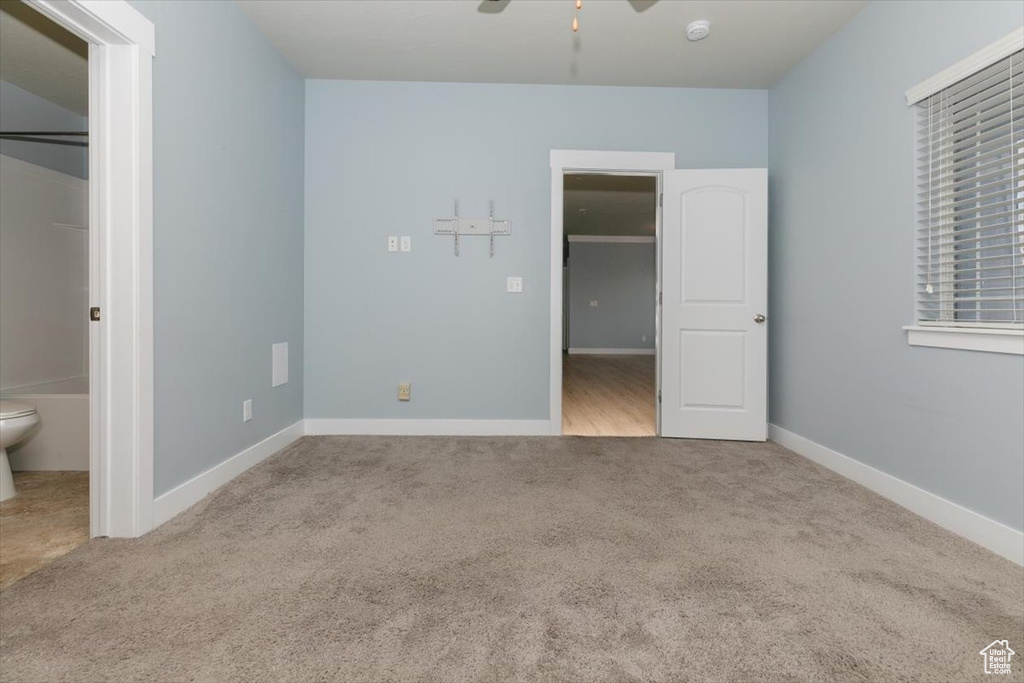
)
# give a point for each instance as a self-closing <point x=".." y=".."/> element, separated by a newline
<point x="105" y="22"/>
<point x="614" y="239"/>
<point x="331" y="427"/>
<point x="573" y="351"/>
<point x="121" y="46"/>
<point x="186" y="495"/>
<point x="984" y="57"/>
<point x="975" y="527"/>
<point x="563" y="160"/>
<point x="994" y="340"/>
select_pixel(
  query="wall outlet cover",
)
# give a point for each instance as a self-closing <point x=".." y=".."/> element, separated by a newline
<point x="404" y="391"/>
<point x="392" y="243"/>
<point x="593" y="304"/>
<point x="247" y="410"/>
<point x="514" y="284"/>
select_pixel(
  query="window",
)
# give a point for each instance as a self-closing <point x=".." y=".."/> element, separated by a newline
<point x="970" y="238"/>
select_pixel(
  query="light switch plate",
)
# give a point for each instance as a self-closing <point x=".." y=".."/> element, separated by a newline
<point x="247" y="410"/>
<point x="392" y="243"/>
<point x="404" y="391"/>
<point x="406" y="243"/>
<point x="514" y="284"/>
<point x="279" y="364"/>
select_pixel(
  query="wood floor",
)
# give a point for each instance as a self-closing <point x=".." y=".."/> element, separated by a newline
<point x="608" y="395"/>
<point x="48" y="518"/>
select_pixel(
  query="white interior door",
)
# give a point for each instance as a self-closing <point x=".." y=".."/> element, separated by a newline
<point x="714" y="350"/>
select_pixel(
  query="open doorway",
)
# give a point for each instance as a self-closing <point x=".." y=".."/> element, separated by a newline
<point x="44" y="292"/>
<point x="609" y="304"/>
<point x="122" y="43"/>
<point x="711" y="332"/>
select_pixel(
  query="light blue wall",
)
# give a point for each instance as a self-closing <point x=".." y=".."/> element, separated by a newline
<point x="228" y="221"/>
<point x="622" y="279"/>
<point x="21" y="110"/>
<point x="842" y="231"/>
<point x="387" y="158"/>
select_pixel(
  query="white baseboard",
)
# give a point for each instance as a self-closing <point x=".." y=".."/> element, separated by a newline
<point x="986" y="532"/>
<point x="610" y="352"/>
<point x="331" y="427"/>
<point x="195" y="489"/>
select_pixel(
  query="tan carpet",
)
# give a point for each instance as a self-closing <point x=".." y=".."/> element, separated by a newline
<point x="483" y="559"/>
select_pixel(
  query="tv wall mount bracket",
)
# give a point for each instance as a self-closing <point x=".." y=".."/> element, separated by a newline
<point x="459" y="226"/>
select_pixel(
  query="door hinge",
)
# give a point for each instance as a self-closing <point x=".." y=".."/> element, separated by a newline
<point x="659" y="395"/>
<point x="659" y="298"/>
<point x="94" y="314"/>
<point x="661" y="199"/>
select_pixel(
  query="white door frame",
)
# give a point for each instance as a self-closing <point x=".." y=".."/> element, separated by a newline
<point x="585" y="161"/>
<point x="121" y="48"/>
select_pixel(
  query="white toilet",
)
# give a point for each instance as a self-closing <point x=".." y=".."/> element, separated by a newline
<point x="16" y="421"/>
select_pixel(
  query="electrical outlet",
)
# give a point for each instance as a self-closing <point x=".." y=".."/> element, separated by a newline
<point x="392" y="243"/>
<point x="643" y="337"/>
<point x="593" y="304"/>
<point x="247" y="410"/>
<point x="514" y="284"/>
<point x="406" y="243"/>
<point x="404" y="391"/>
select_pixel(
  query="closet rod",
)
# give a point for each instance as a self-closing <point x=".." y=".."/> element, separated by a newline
<point x="35" y="136"/>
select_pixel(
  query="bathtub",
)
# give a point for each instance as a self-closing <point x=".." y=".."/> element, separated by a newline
<point x="61" y="442"/>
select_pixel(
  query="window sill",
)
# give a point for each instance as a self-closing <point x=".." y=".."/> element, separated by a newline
<point x="994" y="340"/>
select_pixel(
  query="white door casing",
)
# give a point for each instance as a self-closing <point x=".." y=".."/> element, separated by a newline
<point x="122" y="44"/>
<point x="714" y="350"/>
<point x="584" y="161"/>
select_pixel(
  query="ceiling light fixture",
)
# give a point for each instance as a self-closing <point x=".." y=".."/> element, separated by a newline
<point x="698" y="30"/>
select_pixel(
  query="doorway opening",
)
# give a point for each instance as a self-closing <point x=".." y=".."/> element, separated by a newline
<point x="44" y="292"/>
<point x="121" y="44"/>
<point x="587" y="163"/>
<point x="609" y="312"/>
<point x="711" y="339"/>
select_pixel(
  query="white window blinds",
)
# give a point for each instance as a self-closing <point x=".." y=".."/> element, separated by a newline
<point x="970" y="242"/>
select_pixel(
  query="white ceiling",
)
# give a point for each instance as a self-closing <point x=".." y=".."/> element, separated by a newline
<point x="609" y="205"/>
<point x="43" y="58"/>
<point x="620" y="42"/>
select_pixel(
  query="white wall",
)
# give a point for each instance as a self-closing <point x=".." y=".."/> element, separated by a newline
<point x="43" y="274"/>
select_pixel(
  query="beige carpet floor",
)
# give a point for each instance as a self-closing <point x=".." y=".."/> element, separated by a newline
<point x="488" y="559"/>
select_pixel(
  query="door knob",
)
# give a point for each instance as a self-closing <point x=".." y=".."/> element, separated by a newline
<point x="759" y="318"/>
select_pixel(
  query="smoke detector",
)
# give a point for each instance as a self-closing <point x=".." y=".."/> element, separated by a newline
<point x="698" y="30"/>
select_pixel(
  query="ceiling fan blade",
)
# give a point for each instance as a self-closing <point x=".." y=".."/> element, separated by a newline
<point x="642" y="5"/>
<point x="492" y="6"/>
